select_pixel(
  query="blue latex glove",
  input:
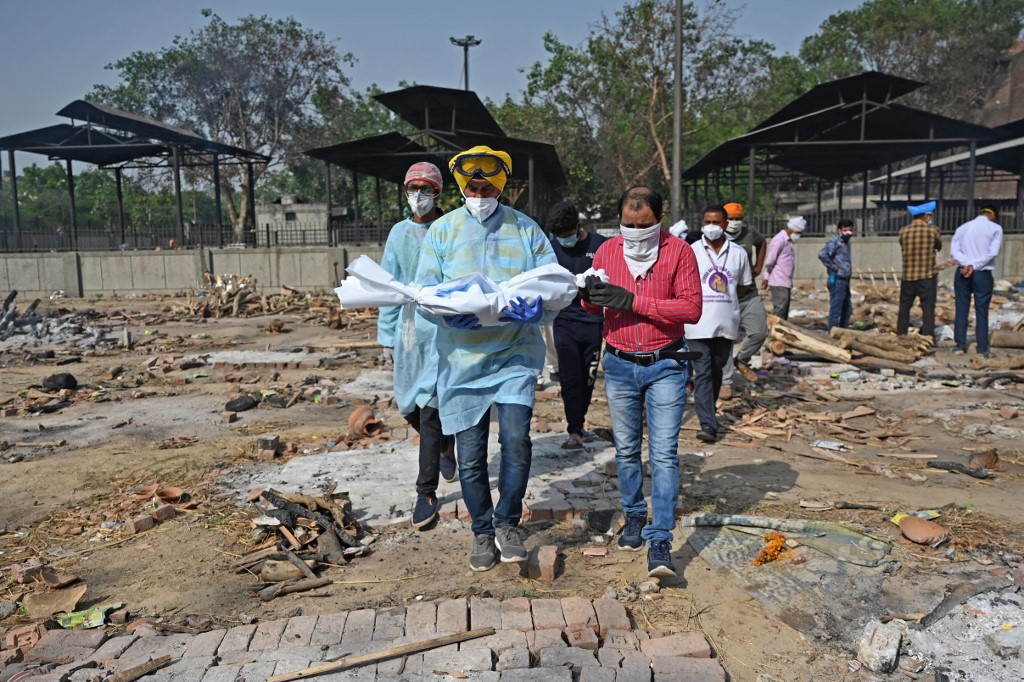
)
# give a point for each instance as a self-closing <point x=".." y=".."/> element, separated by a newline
<point x="832" y="278"/>
<point x="520" y="311"/>
<point x="469" y="321"/>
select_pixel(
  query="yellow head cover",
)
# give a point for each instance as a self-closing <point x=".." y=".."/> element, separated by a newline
<point x="490" y="164"/>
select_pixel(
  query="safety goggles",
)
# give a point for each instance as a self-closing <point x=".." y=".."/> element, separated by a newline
<point x="485" y="165"/>
<point x="411" y="191"/>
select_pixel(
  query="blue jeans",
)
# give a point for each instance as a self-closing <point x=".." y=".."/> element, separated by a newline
<point x="513" y="470"/>
<point x="980" y="284"/>
<point x="661" y="388"/>
<point x="840" y="306"/>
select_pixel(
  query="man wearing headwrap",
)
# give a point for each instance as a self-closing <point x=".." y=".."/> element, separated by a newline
<point x="837" y="259"/>
<point x="653" y="290"/>
<point x="753" y="316"/>
<point x="408" y="341"/>
<point x="919" y="241"/>
<point x="974" y="248"/>
<point x="780" y="264"/>
<point x="488" y="369"/>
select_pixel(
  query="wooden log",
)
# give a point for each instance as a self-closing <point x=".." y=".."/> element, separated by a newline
<point x="383" y="655"/>
<point x="1003" y="338"/>
<point x="290" y="587"/>
<point x="880" y="363"/>
<point x="875" y="351"/>
<point x="805" y="341"/>
<point x="275" y="498"/>
<point x="1008" y="362"/>
<point x="777" y="347"/>
<point x="912" y="342"/>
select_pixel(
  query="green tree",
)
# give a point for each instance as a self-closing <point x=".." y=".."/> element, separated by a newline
<point x="607" y="104"/>
<point x="955" y="46"/>
<point x="251" y="84"/>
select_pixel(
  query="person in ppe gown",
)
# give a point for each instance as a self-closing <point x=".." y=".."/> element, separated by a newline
<point x="481" y="369"/>
<point x="408" y="340"/>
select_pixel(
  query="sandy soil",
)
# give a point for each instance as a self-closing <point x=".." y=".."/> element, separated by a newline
<point x="146" y="426"/>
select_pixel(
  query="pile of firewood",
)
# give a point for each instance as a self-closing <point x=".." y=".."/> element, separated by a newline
<point x="908" y="348"/>
<point x="876" y="350"/>
<point x="299" y="534"/>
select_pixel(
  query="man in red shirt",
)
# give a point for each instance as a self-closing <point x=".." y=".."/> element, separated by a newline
<point x="653" y="290"/>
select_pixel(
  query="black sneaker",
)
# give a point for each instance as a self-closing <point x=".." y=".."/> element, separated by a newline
<point x="659" y="560"/>
<point x="509" y="539"/>
<point x="449" y="469"/>
<point x="705" y="436"/>
<point x="485" y="554"/>
<point x="425" y="511"/>
<point x="631" y="539"/>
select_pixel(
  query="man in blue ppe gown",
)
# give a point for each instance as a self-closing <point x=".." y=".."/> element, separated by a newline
<point x="409" y="344"/>
<point x="481" y="368"/>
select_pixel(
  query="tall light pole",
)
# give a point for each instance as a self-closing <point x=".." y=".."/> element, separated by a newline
<point x="465" y="44"/>
<point x="675" y="196"/>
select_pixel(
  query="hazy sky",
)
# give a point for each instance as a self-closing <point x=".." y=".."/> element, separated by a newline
<point x="54" y="51"/>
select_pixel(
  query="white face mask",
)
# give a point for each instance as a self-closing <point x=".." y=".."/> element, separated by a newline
<point x="794" y="236"/>
<point x="421" y="204"/>
<point x="733" y="228"/>
<point x="640" y="247"/>
<point x="481" y="208"/>
<point x="712" y="232"/>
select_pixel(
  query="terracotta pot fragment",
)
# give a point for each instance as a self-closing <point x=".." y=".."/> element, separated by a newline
<point x="362" y="422"/>
<point x="923" y="531"/>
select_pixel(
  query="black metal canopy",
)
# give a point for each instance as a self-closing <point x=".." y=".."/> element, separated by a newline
<point x="841" y="128"/>
<point x="446" y="121"/>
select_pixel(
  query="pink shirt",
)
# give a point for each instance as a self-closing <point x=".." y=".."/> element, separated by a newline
<point x="667" y="297"/>
<point x="780" y="261"/>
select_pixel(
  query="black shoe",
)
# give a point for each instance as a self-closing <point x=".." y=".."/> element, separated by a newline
<point x="425" y="511"/>
<point x="631" y="539"/>
<point x="659" y="560"/>
<point x="485" y="554"/>
<point x="509" y="540"/>
<point x="705" y="436"/>
<point x="449" y="469"/>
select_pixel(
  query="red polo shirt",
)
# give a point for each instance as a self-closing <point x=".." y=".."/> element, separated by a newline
<point x="668" y="296"/>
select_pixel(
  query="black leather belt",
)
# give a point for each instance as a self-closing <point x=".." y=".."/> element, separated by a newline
<point x="669" y="352"/>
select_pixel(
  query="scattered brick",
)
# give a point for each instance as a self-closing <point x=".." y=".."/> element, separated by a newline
<point x="547" y="614"/>
<point x="611" y="615"/>
<point x="515" y="614"/>
<point x="582" y="636"/>
<point x="140" y="524"/>
<point x="329" y="629"/>
<point x="501" y="640"/>
<point x="299" y="631"/>
<point x="621" y="639"/>
<point x="205" y="644"/>
<point x="544" y="639"/>
<point x="1008" y="412"/>
<point x="597" y="675"/>
<point x="81" y="638"/>
<point x="359" y="627"/>
<point x="236" y="639"/>
<point x="229" y="417"/>
<point x="510" y="659"/>
<point x="609" y="658"/>
<point x="690" y="644"/>
<point x="390" y="623"/>
<point x="164" y="512"/>
<point x="574" y="657"/>
<point x="579" y="611"/>
<point x="544" y="563"/>
<point x="683" y="668"/>
<point x="537" y="675"/>
<point x="27" y="571"/>
<point x="453" y="616"/>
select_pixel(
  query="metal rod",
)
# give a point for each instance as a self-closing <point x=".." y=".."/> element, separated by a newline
<point x="750" y="182"/>
<point x="252" y="197"/>
<point x="971" y="168"/>
<point x="530" y="187"/>
<point x="14" y="191"/>
<point x="74" y="211"/>
<point x="177" y="194"/>
<point x="677" y="117"/>
<point x="120" y="203"/>
<point x="216" y="191"/>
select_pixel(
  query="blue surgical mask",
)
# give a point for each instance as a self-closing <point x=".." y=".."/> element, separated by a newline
<point x="570" y="241"/>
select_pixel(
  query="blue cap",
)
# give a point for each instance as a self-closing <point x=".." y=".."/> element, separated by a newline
<point x="920" y="209"/>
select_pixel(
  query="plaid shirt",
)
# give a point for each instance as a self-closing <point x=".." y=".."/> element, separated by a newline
<point x="920" y="241"/>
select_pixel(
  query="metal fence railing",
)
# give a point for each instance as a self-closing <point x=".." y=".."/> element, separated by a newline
<point x="881" y="221"/>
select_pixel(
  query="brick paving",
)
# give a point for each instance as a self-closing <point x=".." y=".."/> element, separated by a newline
<point x="536" y="640"/>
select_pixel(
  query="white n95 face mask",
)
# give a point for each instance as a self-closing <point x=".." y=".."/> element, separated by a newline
<point x="481" y="208"/>
<point x="712" y="232"/>
<point x="421" y="204"/>
<point x="733" y="228"/>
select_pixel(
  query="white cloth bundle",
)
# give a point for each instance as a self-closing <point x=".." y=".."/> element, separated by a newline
<point x="371" y="286"/>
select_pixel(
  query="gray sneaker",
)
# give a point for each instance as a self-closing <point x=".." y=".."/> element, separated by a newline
<point x="509" y="540"/>
<point x="485" y="554"/>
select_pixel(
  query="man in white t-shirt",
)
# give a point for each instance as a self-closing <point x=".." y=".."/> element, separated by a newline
<point x="725" y="275"/>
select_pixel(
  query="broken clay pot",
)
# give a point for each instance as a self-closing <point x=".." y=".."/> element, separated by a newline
<point x="923" y="531"/>
<point x="362" y="422"/>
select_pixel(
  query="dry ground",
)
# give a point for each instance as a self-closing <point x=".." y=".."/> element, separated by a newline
<point x="148" y="428"/>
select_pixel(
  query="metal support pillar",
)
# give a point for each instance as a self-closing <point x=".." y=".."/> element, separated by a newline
<point x="120" y="203"/>
<point x="216" y="191"/>
<point x="74" y="211"/>
<point x="177" y="195"/>
<point x="531" y="195"/>
<point x="749" y="209"/>
<point x="864" y="205"/>
<point x="971" y="169"/>
<point x="251" y="183"/>
<point x="14" y="192"/>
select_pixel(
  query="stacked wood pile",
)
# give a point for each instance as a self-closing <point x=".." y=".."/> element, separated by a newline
<point x="299" y="534"/>
<point x="876" y="350"/>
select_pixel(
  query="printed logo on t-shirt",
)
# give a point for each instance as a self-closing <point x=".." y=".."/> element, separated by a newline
<point x="718" y="280"/>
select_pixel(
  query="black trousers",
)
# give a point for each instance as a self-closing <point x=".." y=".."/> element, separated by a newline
<point x="427" y="422"/>
<point x="925" y="290"/>
<point x="707" y="378"/>
<point x="578" y="346"/>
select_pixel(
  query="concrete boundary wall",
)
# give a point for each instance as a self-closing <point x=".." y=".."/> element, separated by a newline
<point x="85" y="274"/>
